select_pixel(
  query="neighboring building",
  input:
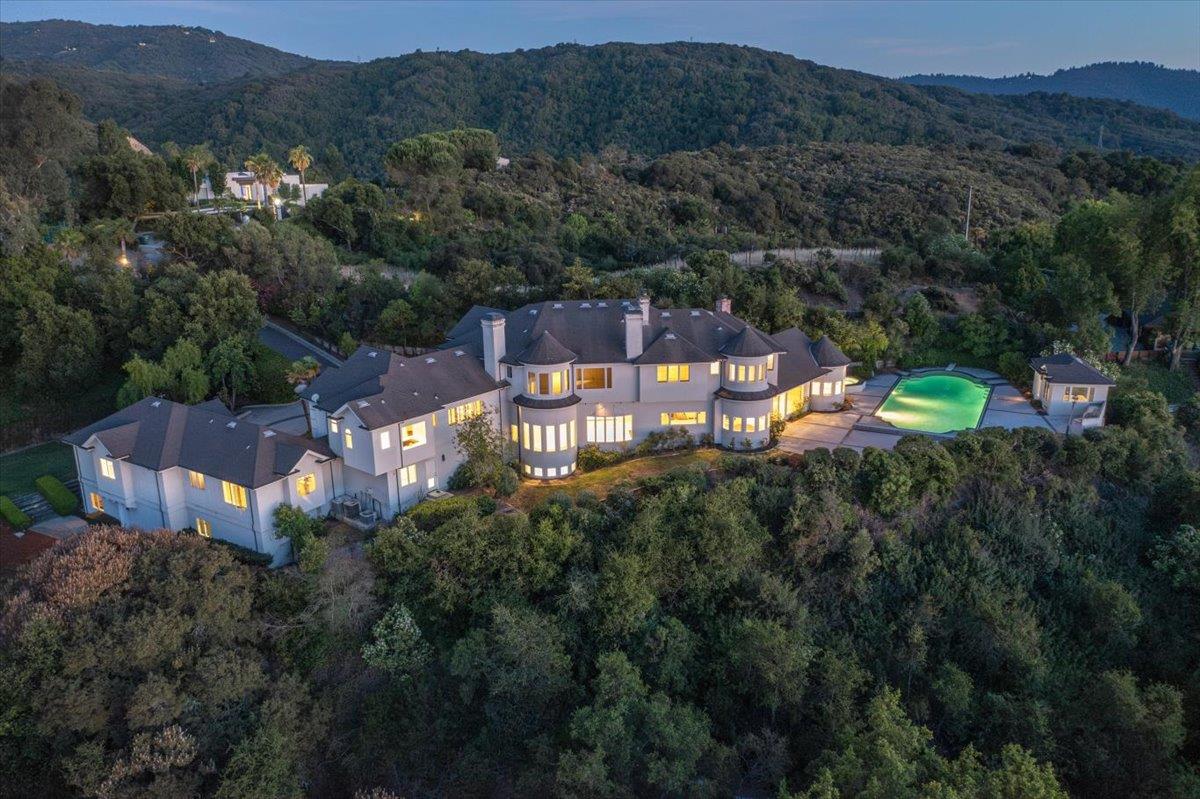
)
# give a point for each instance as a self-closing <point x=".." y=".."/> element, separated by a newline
<point x="158" y="464"/>
<point x="556" y="376"/>
<point x="243" y="186"/>
<point x="552" y="376"/>
<point x="1070" y="388"/>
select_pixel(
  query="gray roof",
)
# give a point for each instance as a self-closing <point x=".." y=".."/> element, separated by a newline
<point x="595" y="329"/>
<point x="749" y="343"/>
<point x="1067" y="368"/>
<point x="828" y="354"/>
<point x="545" y="350"/>
<point x="671" y="347"/>
<point x="383" y="388"/>
<point x="160" y="434"/>
<point x="798" y="365"/>
<point x="470" y="321"/>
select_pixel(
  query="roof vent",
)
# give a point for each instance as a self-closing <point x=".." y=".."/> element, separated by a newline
<point x="602" y="305"/>
<point x="363" y="403"/>
<point x="431" y="360"/>
<point x="459" y="353"/>
<point x="268" y="433"/>
<point x="533" y="311"/>
<point x="695" y="313"/>
<point x="372" y="354"/>
<point x="666" y="314"/>
<point x="671" y="336"/>
<point x="316" y="397"/>
<point x="156" y="403"/>
<point x="231" y="425"/>
<point x="585" y="305"/>
<point x="558" y="305"/>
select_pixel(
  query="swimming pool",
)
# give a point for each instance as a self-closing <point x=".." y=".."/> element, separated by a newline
<point x="935" y="403"/>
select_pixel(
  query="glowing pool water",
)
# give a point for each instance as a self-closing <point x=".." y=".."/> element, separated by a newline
<point x="936" y="403"/>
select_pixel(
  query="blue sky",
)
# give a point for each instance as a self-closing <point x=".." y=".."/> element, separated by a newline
<point x="886" y="38"/>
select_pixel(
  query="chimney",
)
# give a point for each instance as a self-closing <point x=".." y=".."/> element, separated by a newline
<point x="644" y="302"/>
<point x="724" y="305"/>
<point x="633" y="334"/>
<point x="493" y="342"/>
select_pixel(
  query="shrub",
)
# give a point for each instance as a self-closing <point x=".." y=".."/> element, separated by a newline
<point x="592" y="457"/>
<point x="61" y="498"/>
<point x="1014" y="367"/>
<point x="1188" y="416"/>
<point x="433" y="513"/>
<point x="240" y="553"/>
<point x="14" y="515"/>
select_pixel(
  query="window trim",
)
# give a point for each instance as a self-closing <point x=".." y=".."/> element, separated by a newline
<point x="235" y="495"/>
<point x="108" y="468"/>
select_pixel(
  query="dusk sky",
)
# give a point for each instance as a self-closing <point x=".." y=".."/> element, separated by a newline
<point x="982" y="38"/>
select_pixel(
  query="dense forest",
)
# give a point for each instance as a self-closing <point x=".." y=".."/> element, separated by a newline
<point x="1139" y="82"/>
<point x="1002" y="615"/>
<point x="572" y="100"/>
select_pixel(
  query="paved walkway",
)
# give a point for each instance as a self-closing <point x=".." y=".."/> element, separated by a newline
<point x="1006" y="408"/>
<point x="292" y="346"/>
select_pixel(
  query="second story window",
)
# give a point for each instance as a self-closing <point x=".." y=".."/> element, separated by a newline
<point x="196" y="479"/>
<point x="412" y="435"/>
<point x="741" y="373"/>
<point x="348" y="438"/>
<point x="108" y="468"/>
<point x="306" y="484"/>
<point x="770" y="362"/>
<point x="461" y="413"/>
<point x="333" y="425"/>
<point x="234" y="494"/>
<point x="547" y="382"/>
<point x="385" y="439"/>
<point x="593" y="377"/>
<point x="674" y="373"/>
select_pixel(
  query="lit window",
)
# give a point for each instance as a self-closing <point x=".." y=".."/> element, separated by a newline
<point x="607" y="429"/>
<point x="837" y="387"/>
<point x="348" y="438"/>
<point x="203" y="527"/>
<point x="571" y="428"/>
<point x="551" y="439"/>
<point x="730" y="372"/>
<point x="108" y="469"/>
<point x="512" y="432"/>
<point x="413" y="435"/>
<point x="196" y="479"/>
<point x="556" y="383"/>
<point x="408" y="475"/>
<point x="724" y="422"/>
<point x="333" y="426"/>
<point x="771" y="361"/>
<point x="306" y="484"/>
<point x="234" y="494"/>
<point x="461" y="413"/>
<point x="385" y="439"/>
<point x="526" y="441"/>
<point x="537" y="471"/>
<point x="762" y="423"/>
<point x="684" y="417"/>
<point x="715" y="368"/>
<point x="528" y="469"/>
<point x="674" y="373"/>
<point x="531" y="388"/>
<point x="591" y="378"/>
<point x="1070" y="394"/>
<point x="537" y="438"/>
<point x="737" y="424"/>
<point x="431" y="483"/>
<point x="97" y="502"/>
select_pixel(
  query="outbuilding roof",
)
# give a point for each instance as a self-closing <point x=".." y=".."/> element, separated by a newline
<point x="159" y="434"/>
<point x="1067" y="368"/>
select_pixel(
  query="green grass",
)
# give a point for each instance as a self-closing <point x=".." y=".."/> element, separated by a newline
<point x="600" y="481"/>
<point x="1176" y="386"/>
<point x="19" y="469"/>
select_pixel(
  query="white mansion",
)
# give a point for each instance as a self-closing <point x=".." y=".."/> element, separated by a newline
<point x="554" y="376"/>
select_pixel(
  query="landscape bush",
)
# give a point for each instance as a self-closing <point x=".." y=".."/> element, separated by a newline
<point x="62" y="499"/>
<point x="14" y="515"/>
<point x="432" y="513"/>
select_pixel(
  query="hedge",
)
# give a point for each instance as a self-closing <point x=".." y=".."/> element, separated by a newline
<point x="431" y="514"/>
<point x="14" y="515"/>
<point x="61" y="498"/>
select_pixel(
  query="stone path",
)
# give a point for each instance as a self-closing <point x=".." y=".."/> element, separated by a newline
<point x="858" y="429"/>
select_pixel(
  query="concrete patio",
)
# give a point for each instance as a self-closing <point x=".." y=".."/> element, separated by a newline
<point x="857" y="428"/>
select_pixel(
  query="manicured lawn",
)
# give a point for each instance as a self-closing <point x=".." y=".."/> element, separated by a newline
<point x="1175" y="386"/>
<point x="601" y="481"/>
<point x="20" y="469"/>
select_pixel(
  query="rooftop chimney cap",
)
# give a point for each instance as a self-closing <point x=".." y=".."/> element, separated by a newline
<point x="493" y="317"/>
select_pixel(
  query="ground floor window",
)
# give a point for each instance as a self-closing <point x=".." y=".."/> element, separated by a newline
<point x="748" y="424"/>
<point x="684" y="417"/>
<point x="609" y="429"/>
<point x="1078" y="393"/>
<point x="97" y="502"/>
<point x="408" y="475"/>
<point x="548" y="438"/>
<point x="512" y="432"/>
<point x="203" y="527"/>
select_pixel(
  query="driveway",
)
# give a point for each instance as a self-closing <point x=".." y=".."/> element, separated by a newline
<point x="292" y="346"/>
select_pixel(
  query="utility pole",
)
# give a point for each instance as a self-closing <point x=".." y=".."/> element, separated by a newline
<point x="967" y="226"/>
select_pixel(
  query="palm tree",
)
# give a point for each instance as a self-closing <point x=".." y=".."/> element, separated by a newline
<point x="301" y="159"/>
<point x="196" y="158"/>
<point x="259" y="165"/>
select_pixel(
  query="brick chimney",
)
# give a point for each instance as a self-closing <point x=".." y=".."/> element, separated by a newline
<point x="724" y="305"/>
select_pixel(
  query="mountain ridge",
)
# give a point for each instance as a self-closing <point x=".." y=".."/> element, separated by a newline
<point x="1142" y="82"/>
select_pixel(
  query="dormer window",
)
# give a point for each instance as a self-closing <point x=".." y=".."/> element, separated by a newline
<point x="333" y="426"/>
<point x="348" y="438"/>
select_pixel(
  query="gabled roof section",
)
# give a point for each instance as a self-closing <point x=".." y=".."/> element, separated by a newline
<point x="1067" y="368"/>
<point x="750" y="343"/>
<point x="470" y="321"/>
<point x="796" y="366"/>
<point x="383" y="388"/>
<point x="672" y="347"/>
<point x="159" y="434"/>
<point x="546" y="350"/>
<point x="828" y="354"/>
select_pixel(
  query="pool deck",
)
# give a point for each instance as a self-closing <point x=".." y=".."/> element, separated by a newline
<point x="858" y="428"/>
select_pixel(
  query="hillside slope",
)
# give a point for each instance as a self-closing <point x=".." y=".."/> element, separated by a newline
<point x="196" y="55"/>
<point x="1147" y="84"/>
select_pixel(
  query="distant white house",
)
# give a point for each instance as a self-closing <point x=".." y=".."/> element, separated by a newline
<point x="243" y="186"/>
